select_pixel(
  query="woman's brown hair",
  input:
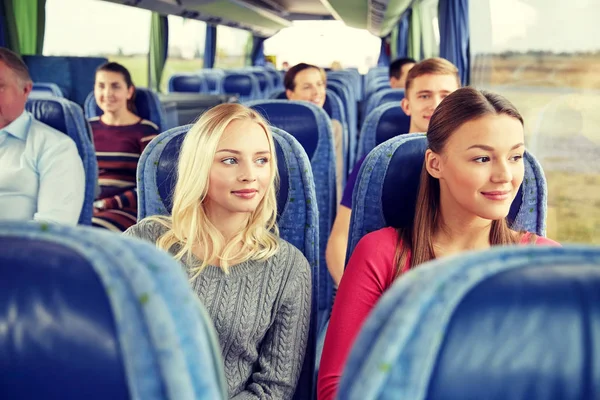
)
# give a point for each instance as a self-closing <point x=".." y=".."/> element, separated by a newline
<point x="461" y="106"/>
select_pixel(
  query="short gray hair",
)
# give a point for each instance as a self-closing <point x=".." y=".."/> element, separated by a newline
<point x="15" y="63"/>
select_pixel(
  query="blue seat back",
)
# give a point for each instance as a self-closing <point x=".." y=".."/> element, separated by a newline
<point x="147" y="106"/>
<point x="518" y="323"/>
<point x="385" y="122"/>
<point x="387" y="185"/>
<point x="67" y="117"/>
<point x="382" y="97"/>
<point x="74" y="76"/>
<point x="245" y="85"/>
<point x="213" y="79"/>
<point x="334" y="107"/>
<point x="311" y="126"/>
<point x="91" y="314"/>
<point x="349" y="103"/>
<point x="296" y="205"/>
<point x="189" y="83"/>
<point x="45" y="89"/>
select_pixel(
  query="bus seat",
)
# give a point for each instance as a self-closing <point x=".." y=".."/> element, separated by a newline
<point x="296" y="202"/>
<point x="278" y="95"/>
<point x="88" y="314"/>
<point x="67" y="117"/>
<point x="245" y="85"/>
<point x="519" y="323"/>
<point x="189" y="83"/>
<point x="44" y="90"/>
<point x="382" y="97"/>
<point x="213" y="79"/>
<point x="349" y="103"/>
<point x="334" y="107"/>
<point x="147" y="106"/>
<point x="387" y="185"/>
<point x="383" y="123"/>
<point x="311" y="126"/>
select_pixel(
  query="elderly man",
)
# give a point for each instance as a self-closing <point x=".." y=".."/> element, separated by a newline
<point x="41" y="173"/>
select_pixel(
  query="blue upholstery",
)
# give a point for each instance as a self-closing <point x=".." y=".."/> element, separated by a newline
<point x="387" y="185"/>
<point x="74" y="75"/>
<point x="311" y="126"/>
<point x="384" y="96"/>
<point x="334" y="107"/>
<point x="88" y="314"/>
<point x="147" y="106"/>
<point x="349" y="103"/>
<point x="245" y="85"/>
<point x="519" y="323"/>
<point x="296" y="202"/>
<point x="278" y="95"/>
<point x="45" y="89"/>
<point x="213" y="79"/>
<point x="67" y="117"/>
<point x="385" y="122"/>
<point x="191" y="83"/>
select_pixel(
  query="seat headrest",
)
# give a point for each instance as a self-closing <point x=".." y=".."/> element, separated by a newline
<point x="383" y="123"/>
<point x="90" y="314"/>
<point x="519" y="322"/>
<point x="300" y="118"/>
<point x="46" y="89"/>
<point x="241" y="84"/>
<point x="388" y="182"/>
<point x="147" y="106"/>
<point x="186" y="83"/>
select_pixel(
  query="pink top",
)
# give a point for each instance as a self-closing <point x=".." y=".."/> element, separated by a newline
<point x="369" y="273"/>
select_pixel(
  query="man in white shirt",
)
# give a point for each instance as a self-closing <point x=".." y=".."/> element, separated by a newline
<point x="41" y="173"/>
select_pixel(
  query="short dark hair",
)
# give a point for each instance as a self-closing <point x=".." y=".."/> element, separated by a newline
<point x="396" y="66"/>
<point x="290" y="75"/>
<point x="15" y="63"/>
<point x="112" y="66"/>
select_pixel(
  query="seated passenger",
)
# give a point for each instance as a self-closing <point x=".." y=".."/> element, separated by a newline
<point x="427" y="84"/>
<point x="41" y="173"/>
<point x="308" y="82"/>
<point x="256" y="286"/>
<point x="398" y="71"/>
<point x="120" y="137"/>
<point x="472" y="172"/>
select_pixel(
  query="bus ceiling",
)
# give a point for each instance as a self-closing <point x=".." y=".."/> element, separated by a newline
<point x="266" y="17"/>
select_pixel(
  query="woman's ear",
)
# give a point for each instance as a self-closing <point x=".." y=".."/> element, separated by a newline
<point x="130" y="92"/>
<point x="433" y="163"/>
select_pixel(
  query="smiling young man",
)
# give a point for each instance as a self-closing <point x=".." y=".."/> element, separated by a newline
<point x="427" y="84"/>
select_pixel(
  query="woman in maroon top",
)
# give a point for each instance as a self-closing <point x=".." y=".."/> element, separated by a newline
<point x="472" y="172"/>
<point x="120" y="136"/>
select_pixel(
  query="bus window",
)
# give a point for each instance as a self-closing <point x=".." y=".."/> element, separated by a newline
<point x="324" y="43"/>
<point x="546" y="60"/>
<point x="233" y="47"/>
<point x="186" y="47"/>
<point x="94" y="28"/>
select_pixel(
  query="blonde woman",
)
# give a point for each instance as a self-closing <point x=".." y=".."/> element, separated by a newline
<point x="255" y="285"/>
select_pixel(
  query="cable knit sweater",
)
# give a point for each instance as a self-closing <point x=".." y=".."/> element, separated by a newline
<point x="261" y="312"/>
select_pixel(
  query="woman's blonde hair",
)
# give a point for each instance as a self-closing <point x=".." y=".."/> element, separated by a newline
<point x="189" y="224"/>
<point x="461" y="106"/>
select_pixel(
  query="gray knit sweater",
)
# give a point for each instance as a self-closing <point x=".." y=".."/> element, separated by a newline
<point x="261" y="312"/>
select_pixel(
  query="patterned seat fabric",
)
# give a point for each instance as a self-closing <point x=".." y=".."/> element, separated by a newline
<point x="383" y="123"/>
<point x="516" y="323"/>
<point x="96" y="315"/>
